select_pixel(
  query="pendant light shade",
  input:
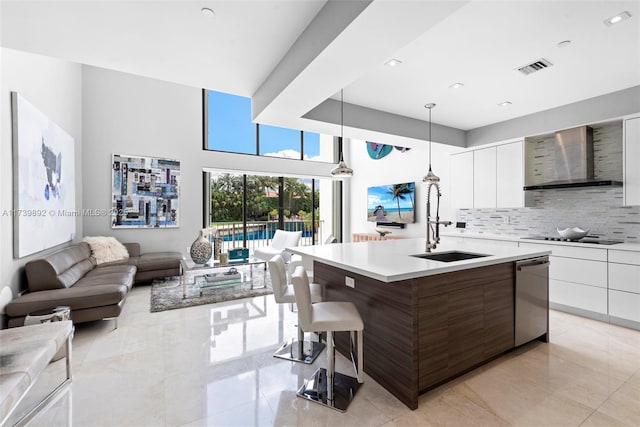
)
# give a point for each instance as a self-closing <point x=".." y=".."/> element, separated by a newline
<point x="341" y="170"/>
<point x="430" y="177"/>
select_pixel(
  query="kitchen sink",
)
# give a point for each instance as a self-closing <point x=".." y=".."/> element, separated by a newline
<point x="449" y="256"/>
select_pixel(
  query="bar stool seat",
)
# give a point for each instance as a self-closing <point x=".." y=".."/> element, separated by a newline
<point x="326" y="386"/>
<point x="294" y="350"/>
<point x="336" y="316"/>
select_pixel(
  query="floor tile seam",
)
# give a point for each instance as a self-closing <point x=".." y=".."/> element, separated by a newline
<point x="487" y="407"/>
<point x="577" y="362"/>
<point x="588" y="417"/>
<point x="611" y="394"/>
<point x="381" y="410"/>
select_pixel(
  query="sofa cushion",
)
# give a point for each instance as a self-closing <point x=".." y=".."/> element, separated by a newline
<point x="109" y="275"/>
<point x="105" y="249"/>
<point x="76" y="297"/>
<point x="159" y="261"/>
<point x="133" y="249"/>
<point x="60" y="269"/>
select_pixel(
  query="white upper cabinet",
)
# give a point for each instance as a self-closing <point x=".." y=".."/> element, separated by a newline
<point x="631" y="141"/>
<point x="489" y="177"/>
<point x="484" y="178"/>
<point x="462" y="180"/>
<point x="509" y="175"/>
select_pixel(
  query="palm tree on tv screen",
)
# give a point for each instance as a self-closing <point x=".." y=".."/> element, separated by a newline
<point x="399" y="192"/>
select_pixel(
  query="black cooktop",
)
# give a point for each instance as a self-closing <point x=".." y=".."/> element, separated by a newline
<point x="592" y="240"/>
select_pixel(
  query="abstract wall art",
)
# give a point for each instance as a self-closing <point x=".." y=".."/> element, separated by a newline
<point x="44" y="209"/>
<point x="145" y="192"/>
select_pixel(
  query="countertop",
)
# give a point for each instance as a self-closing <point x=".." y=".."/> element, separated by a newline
<point x="390" y="260"/>
<point x="635" y="247"/>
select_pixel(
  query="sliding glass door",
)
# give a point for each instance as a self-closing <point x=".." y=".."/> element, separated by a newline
<point x="246" y="210"/>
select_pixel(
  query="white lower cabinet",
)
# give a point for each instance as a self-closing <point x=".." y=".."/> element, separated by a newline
<point x="624" y="277"/>
<point x="600" y="283"/>
<point x="580" y="271"/>
<point x="624" y="305"/>
<point x="624" y="285"/>
<point x="578" y="278"/>
<point x="584" y="297"/>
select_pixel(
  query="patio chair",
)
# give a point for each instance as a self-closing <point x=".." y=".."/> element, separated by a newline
<point x="280" y="242"/>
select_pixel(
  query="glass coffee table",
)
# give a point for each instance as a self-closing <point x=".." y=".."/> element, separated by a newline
<point x="216" y="279"/>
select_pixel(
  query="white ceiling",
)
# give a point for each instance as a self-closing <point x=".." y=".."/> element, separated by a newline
<point x="291" y="56"/>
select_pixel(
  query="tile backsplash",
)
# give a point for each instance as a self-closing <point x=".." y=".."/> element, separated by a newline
<point x="598" y="209"/>
<point x="540" y="158"/>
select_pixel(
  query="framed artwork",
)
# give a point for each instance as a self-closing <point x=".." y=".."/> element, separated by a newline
<point x="145" y="192"/>
<point x="44" y="199"/>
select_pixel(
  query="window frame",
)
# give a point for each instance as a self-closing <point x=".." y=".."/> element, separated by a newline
<point x="205" y="135"/>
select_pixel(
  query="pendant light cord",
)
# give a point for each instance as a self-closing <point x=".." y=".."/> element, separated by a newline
<point x="430" y="138"/>
<point x="342" y="124"/>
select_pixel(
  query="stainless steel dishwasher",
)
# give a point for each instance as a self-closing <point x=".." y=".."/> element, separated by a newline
<point x="532" y="300"/>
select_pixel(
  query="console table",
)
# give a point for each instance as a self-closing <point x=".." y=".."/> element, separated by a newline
<point x="187" y="266"/>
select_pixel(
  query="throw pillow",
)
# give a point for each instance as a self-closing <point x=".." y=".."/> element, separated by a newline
<point x="106" y="249"/>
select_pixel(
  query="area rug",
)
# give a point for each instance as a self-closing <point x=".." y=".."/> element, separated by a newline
<point x="167" y="294"/>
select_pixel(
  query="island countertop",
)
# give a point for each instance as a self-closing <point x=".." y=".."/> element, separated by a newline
<point x="391" y="260"/>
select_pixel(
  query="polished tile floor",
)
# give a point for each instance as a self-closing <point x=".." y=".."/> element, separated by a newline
<point x="213" y="365"/>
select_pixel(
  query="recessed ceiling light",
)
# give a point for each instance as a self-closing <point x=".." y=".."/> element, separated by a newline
<point x="393" y="62"/>
<point x="617" y="18"/>
<point x="207" y="12"/>
<point x="564" y="43"/>
<point x="504" y="104"/>
<point x="456" y="86"/>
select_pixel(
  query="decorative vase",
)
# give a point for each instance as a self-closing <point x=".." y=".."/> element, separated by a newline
<point x="200" y="250"/>
<point x="217" y="245"/>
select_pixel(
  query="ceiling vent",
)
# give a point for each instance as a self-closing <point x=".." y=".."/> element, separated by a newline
<point x="538" y="65"/>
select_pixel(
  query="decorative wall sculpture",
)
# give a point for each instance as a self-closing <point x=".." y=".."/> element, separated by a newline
<point x="145" y="192"/>
<point x="44" y="200"/>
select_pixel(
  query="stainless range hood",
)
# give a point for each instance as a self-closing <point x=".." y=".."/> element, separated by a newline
<point x="573" y="163"/>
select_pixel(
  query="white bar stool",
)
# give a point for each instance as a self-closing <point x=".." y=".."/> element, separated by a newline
<point x="300" y="350"/>
<point x="326" y="386"/>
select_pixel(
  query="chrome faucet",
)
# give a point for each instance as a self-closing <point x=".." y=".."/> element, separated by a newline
<point x="432" y="179"/>
<point x="433" y="221"/>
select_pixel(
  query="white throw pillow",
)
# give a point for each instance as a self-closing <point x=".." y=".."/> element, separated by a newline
<point x="106" y="249"/>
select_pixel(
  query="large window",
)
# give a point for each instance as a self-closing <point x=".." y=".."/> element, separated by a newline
<point x="229" y="128"/>
<point x="279" y="142"/>
<point x="311" y="147"/>
<point x="247" y="209"/>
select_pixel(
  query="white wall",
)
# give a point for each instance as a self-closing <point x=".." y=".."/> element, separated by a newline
<point x="53" y="87"/>
<point x="127" y="114"/>
<point x="134" y="115"/>
<point x="395" y="168"/>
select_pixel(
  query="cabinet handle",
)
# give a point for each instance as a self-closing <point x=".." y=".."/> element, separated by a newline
<point x="531" y="267"/>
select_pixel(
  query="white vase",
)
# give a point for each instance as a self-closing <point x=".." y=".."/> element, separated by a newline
<point x="201" y="250"/>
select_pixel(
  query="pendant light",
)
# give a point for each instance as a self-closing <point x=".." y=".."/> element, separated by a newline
<point x="341" y="170"/>
<point x="430" y="177"/>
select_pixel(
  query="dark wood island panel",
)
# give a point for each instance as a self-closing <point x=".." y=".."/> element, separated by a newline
<point x="422" y="332"/>
<point x="390" y="336"/>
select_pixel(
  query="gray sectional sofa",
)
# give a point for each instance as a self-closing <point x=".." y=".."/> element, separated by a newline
<point x="71" y="277"/>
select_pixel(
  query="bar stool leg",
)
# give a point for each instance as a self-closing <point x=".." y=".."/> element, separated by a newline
<point x="360" y="357"/>
<point x="294" y="350"/>
<point x="328" y="387"/>
<point x="331" y="367"/>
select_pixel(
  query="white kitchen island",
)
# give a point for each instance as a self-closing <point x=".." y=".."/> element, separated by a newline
<point x="426" y="321"/>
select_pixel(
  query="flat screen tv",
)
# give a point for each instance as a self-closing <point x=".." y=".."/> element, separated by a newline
<point x="392" y="204"/>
